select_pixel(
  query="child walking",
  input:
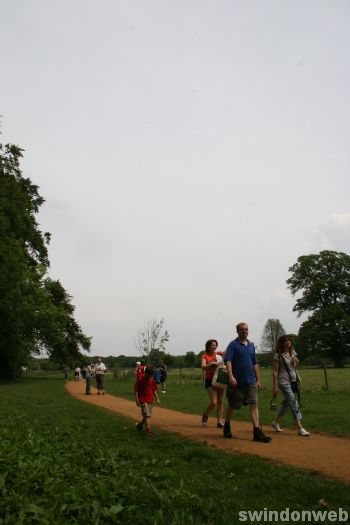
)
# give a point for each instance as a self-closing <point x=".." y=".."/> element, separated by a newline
<point x="146" y="390"/>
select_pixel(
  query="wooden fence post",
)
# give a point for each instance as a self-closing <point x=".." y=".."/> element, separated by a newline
<point x="325" y="376"/>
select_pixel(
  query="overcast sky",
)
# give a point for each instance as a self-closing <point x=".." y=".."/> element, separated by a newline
<point x="188" y="151"/>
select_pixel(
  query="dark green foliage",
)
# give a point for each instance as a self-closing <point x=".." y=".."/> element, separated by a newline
<point x="324" y="282"/>
<point x="35" y="311"/>
<point x="326" y="333"/>
<point x="190" y="359"/>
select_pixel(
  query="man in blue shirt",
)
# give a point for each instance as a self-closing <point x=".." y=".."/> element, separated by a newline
<point x="243" y="382"/>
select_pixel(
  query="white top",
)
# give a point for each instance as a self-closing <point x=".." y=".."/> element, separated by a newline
<point x="100" y="368"/>
<point x="285" y="363"/>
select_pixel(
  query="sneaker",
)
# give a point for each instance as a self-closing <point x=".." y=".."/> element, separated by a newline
<point x="220" y="425"/>
<point x="149" y="433"/>
<point x="138" y="427"/>
<point x="276" y="426"/>
<point x="163" y="391"/>
<point x="227" y="431"/>
<point x="259" y="435"/>
<point x="303" y="432"/>
<point x="204" y="419"/>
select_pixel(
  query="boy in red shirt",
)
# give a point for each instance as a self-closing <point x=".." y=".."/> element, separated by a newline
<point x="140" y="370"/>
<point x="145" y="390"/>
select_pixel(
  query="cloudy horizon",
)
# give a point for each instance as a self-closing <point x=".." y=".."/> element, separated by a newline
<point x="188" y="154"/>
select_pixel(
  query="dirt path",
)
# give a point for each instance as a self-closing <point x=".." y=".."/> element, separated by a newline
<point x="326" y="454"/>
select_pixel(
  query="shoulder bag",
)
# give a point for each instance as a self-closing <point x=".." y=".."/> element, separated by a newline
<point x="220" y="378"/>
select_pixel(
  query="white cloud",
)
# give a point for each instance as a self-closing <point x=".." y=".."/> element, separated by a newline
<point x="334" y="233"/>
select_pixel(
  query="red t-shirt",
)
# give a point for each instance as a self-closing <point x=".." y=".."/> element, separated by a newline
<point x="140" y="371"/>
<point x="209" y="372"/>
<point x="145" y="387"/>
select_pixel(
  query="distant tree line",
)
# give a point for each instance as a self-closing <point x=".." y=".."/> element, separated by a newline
<point x="188" y="360"/>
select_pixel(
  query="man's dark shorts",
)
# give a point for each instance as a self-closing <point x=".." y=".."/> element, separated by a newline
<point x="100" y="381"/>
<point x="242" y="395"/>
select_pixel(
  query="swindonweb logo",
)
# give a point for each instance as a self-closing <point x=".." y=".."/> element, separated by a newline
<point x="287" y="515"/>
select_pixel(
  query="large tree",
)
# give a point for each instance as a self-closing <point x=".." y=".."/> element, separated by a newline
<point x="35" y="312"/>
<point x="273" y="329"/>
<point x="323" y="281"/>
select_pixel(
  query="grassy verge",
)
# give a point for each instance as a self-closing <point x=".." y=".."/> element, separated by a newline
<point x="323" y="410"/>
<point x="65" y="462"/>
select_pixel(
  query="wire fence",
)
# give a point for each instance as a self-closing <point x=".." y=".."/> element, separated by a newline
<point x="174" y="375"/>
<point x="313" y="378"/>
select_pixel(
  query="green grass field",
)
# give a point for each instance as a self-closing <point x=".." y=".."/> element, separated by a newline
<point x="323" y="410"/>
<point x="66" y="462"/>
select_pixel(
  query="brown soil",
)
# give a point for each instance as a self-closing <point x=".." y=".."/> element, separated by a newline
<point x="323" y="453"/>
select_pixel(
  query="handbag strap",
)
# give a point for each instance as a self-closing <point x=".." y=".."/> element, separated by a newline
<point x="286" y="367"/>
<point x="290" y="377"/>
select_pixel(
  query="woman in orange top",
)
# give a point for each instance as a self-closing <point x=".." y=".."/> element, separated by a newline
<point x="211" y="359"/>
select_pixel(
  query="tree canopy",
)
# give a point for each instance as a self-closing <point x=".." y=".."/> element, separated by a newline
<point x="323" y="280"/>
<point x="36" y="313"/>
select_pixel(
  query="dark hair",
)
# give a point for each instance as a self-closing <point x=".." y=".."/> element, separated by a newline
<point x="209" y="342"/>
<point x="149" y="370"/>
<point x="281" y="342"/>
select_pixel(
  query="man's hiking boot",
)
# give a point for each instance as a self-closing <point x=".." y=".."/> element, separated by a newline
<point x="227" y="431"/>
<point x="204" y="419"/>
<point x="259" y="435"/>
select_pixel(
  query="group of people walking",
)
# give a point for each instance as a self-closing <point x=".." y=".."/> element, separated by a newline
<point x="243" y="382"/>
<point x="98" y="371"/>
<point x="95" y="370"/>
<point x="241" y="387"/>
<point x="159" y="373"/>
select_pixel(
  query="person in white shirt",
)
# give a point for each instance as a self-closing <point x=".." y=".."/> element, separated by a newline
<point x="100" y="370"/>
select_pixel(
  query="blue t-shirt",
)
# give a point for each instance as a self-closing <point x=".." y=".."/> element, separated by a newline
<point x="157" y="375"/>
<point x="243" y="359"/>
